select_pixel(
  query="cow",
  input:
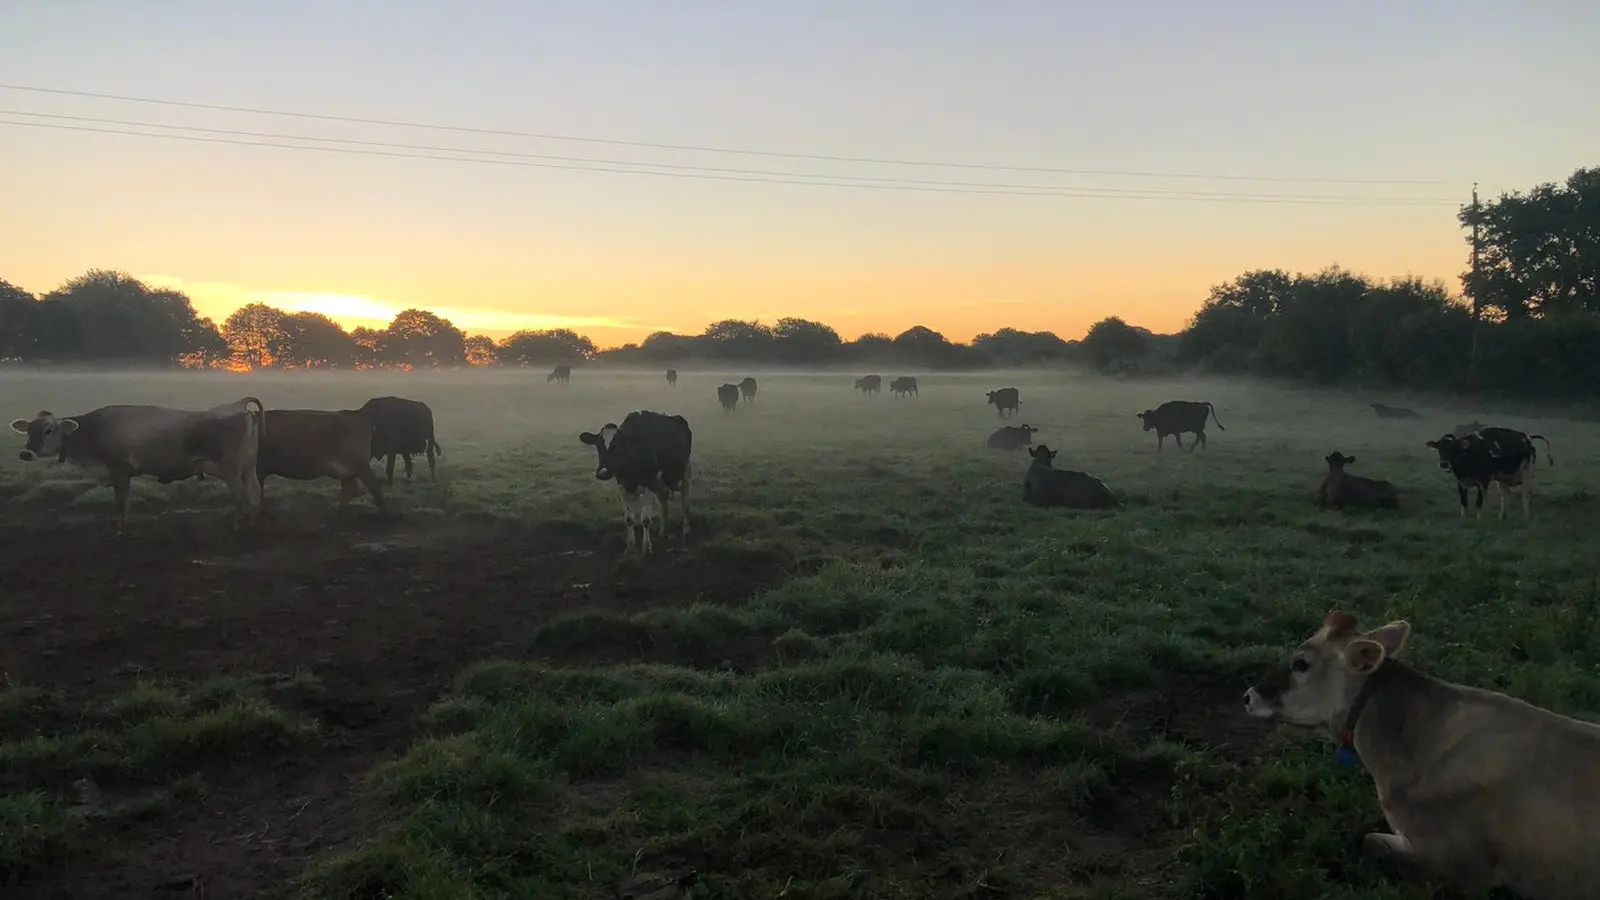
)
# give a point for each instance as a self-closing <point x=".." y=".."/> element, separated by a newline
<point x="728" y="396"/>
<point x="1012" y="437"/>
<point x="1492" y="455"/>
<point x="305" y="444"/>
<point x="648" y="456"/>
<point x="1386" y="411"/>
<point x="1045" y="485"/>
<point x="869" y="384"/>
<point x="562" y="373"/>
<point x="1004" y="399"/>
<point x="402" y="427"/>
<point x="1340" y="489"/>
<point x="116" y="443"/>
<point x="1175" y="417"/>
<point x="747" y="389"/>
<point x="1477" y="786"/>
<point x="905" y="384"/>
<point x="672" y="378"/>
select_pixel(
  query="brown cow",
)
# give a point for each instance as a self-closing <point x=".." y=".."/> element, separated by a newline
<point x="403" y="427"/>
<point x="305" y="444"/>
<point x="747" y="389"/>
<point x="1474" y="784"/>
<point x="1340" y="489"/>
<point x="672" y="378"/>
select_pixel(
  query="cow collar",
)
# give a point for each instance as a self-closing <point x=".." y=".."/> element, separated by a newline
<point x="1346" y="755"/>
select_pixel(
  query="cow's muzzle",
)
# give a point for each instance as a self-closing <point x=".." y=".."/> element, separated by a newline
<point x="26" y="456"/>
<point x="602" y="473"/>
<point x="1444" y="465"/>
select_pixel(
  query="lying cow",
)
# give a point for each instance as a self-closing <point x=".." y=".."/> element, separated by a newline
<point x="305" y="444"/>
<point x="1175" y="417"/>
<point x="402" y="427"/>
<point x="672" y="378"/>
<point x="1045" y="485"/>
<point x="905" y="384"/>
<point x="1469" y="428"/>
<point x="116" y="443"/>
<point x="1475" y="785"/>
<point x="1492" y="455"/>
<point x="1385" y="411"/>
<point x="747" y="389"/>
<point x="869" y="384"/>
<point x="1012" y="437"/>
<point x="648" y="456"/>
<point x="561" y="373"/>
<point x="1005" y="399"/>
<point x="1340" y="489"/>
<point x="728" y="396"/>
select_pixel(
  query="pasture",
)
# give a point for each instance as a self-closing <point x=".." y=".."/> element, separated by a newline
<point x="873" y="672"/>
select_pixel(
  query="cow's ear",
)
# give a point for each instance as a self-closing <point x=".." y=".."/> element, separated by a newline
<point x="1349" y="459"/>
<point x="589" y="437"/>
<point x="1392" y="636"/>
<point x="20" y="426"/>
<point x="1363" y="655"/>
<point x="67" y="426"/>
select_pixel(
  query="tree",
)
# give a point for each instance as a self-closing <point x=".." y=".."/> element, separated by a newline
<point x="738" y="339"/>
<point x="111" y="316"/>
<point x="805" y="341"/>
<point x="664" y="346"/>
<point x="421" y="339"/>
<point x="1008" y="346"/>
<point x="318" y="342"/>
<point x="19" y="323"/>
<point x="1113" y="341"/>
<point x="531" y="348"/>
<point x="371" y="348"/>
<point x="259" y="336"/>
<point x="1229" y="325"/>
<point x="480" y="350"/>
<point x="1539" y="253"/>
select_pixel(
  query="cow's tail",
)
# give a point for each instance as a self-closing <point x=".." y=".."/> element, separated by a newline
<point x="260" y="414"/>
<point x="1214" y="415"/>
<point x="437" y="450"/>
<point x="1549" y="458"/>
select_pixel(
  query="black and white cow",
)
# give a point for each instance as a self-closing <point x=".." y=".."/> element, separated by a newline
<point x="648" y="456"/>
<point x="1492" y="455"/>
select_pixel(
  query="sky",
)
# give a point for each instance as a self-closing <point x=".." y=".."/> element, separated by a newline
<point x="1400" y="100"/>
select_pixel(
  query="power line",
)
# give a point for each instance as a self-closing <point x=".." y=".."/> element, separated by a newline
<point x="866" y="181"/>
<point x="396" y="123"/>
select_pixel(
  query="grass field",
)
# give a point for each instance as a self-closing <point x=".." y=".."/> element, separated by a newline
<point x="873" y="672"/>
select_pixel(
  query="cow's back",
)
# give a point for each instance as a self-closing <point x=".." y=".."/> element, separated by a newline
<point x="399" y="425"/>
<point x="312" y="443"/>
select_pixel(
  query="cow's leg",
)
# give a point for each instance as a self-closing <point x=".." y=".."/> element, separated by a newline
<point x="1478" y="506"/>
<point x="374" y="487"/>
<point x="1200" y="439"/>
<point x="1461" y="494"/>
<point x="388" y="470"/>
<point x="120" y="482"/>
<point x="1527" y="494"/>
<point x="407" y="458"/>
<point x="433" y="473"/>
<point x="627" y="521"/>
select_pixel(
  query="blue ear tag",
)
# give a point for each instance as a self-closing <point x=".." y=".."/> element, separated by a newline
<point x="1346" y="757"/>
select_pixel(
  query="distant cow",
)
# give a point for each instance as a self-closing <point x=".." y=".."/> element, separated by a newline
<point x="728" y="396"/>
<point x="1491" y="455"/>
<point x="747" y="389"/>
<point x="1005" y="399"/>
<point x="650" y="452"/>
<point x="1469" y="428"/>
<point x="1386" y="411"/>
<point x="672" y="378"/>
<point x="115" y="443"/>
<point x="1340" y="489"/>
<point x="1175" y="417"/>
<point x="402" y="427"/>
<point x="1012" y="437"/>
<point x="905" y="384"/>
<point x="869" y="384"/>
<point x="562" y="374"/>
<point x="1476" y="786"/>
<point x="305" y="444"/>
<point x="1045" y="485"/>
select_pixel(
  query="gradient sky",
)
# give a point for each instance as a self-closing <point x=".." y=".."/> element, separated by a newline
<point x="1501" y="93"/>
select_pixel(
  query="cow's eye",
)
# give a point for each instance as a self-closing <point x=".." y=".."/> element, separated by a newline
<point x="1299" y="665"/>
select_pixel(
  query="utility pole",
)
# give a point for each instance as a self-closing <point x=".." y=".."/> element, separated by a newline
<point x="1477" y="293"/>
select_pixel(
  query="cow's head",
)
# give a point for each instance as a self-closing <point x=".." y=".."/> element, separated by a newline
<point x="1042" y="455"/>
<point x="1027" y="432"/>
<point x="1145" y="418"/>
<point x="602" y="448"/>
<point x="1337" y="461"/>
<point x="1325" y="672"/>
<point x="1448" y="446"/>
<point x="45" y="433"/>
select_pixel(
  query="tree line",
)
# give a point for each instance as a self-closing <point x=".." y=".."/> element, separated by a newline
<point x="1527" y="322"/>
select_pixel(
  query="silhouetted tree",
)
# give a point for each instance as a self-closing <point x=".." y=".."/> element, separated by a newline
<point x="1010" y="347"/>
<point x="1540" y="251"/>
<point x="480" y="350"/>
<point x="108" y="316"/>
<point x="421" y="339"/>
<point x="259" y="336"/>
<point x="536" y="348"/>
<point x="19" y="323"/>
<point x="1112" y="341"/>
<point x="805" y="341"/>
<point x="738" y="339"/>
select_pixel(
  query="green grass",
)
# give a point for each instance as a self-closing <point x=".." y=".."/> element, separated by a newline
<point x="950" y="694"/>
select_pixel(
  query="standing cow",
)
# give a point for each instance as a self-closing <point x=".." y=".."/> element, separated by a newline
<point x="562" y="373"/>
<point x="650" y="452"/>
<point x="728" y="396"/>
<point x="672" y="378"/>
<point x="1175" y="417"/>
<point x="1491" y="455"/>
<point x="1005" y="399"/>
<point x="905" y="384"/>
<point x="869" y="384"/>
<point x="116" y="443"/>
<point x="305" y="444"/>
<point x="402" y="427"/>
<point x="747" y="389"/>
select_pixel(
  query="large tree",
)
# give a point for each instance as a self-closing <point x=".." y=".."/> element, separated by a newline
<point x="1539" y="252"/>
<point x="113" y="317"/>
<point x="421" y="339"/>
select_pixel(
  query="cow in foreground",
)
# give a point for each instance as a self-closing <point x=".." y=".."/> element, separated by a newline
<point x="1012" y="437"/>
<point x="116" y="443"/>
<point x="1175" y="417"/>
<point x="672" y="378"/>
<point x="1386" y="411"/>
<point x="561" y="373"/>
<point x="648" y="456"/>
<point x="747" y="389"/>
<point x="905" y="384"/>
<point x="728" y="396"/>
<point x="403" y="427"/>
<point x="869" y="384"/>
<point x="305" y="444"/>
<point x="1492" y="455"/>
<point x="1045" y="485"/>
<point x="1005" y="399"/>
<point x="1475" y="785"/>
<point x="1340" y="489"/>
